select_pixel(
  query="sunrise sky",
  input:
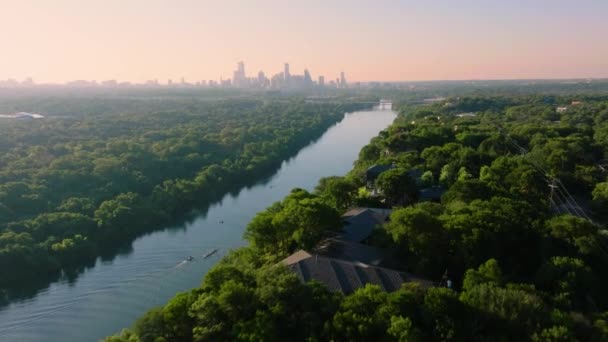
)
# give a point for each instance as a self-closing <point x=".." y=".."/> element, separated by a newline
<point x="136" y="40"/>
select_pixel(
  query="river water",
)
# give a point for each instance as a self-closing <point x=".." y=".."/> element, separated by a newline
<point x="113" y="294"/>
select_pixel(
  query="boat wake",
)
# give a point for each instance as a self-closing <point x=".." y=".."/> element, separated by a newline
<point x="180" y="264"/>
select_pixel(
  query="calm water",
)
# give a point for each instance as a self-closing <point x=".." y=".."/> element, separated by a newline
<point x="112" y="294"/>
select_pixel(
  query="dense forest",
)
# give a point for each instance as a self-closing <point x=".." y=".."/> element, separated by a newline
<point x="98" y="171"/>
<point x="520" y="232"/>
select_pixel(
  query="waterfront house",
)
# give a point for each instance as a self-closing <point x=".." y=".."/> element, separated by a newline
<point x="346" y="276"/>
<point x="374" y="171"/>
<point x="351" y="251"/>
<point x="359" y="223"/>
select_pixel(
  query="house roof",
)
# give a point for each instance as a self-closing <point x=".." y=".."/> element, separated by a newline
<point x="359" y="223"/>
<point x="374" y="171"/>
<point x="296" y="257"/>
<point x="416" y="174"/>
<point x="346" y="276"/>
<point x="350" y="251"/>
<point x="380" y="168"/>
<point x="431" y="193"/>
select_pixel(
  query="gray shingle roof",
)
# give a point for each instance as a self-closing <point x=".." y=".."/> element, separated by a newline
<point x="350" y="251"/>
<point x="374" y="171"/>
<point x="346" y="276"/>
<point x="359" y="223"/>
<point x="433" y="193"/>
<point x="415" y="174"/>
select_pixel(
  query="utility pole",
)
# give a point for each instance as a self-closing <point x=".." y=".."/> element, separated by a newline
<point x="553" y="186"/>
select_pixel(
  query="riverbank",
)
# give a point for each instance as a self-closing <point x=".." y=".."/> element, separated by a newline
<point x="112" y="294"/>
<point x="130" y="175"/>
<point x="501" y="262"/>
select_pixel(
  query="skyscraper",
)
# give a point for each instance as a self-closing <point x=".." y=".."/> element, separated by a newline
<point x="282" y="80"/>
<point x="239" y="79"/>
<point x="262" y="80"/>
<point x="286" y="73"/>
<point x="241" y="66"/>
<point x="307" y="78"/>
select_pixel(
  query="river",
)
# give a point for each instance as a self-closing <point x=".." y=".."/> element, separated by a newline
<point x="112" y="294"/>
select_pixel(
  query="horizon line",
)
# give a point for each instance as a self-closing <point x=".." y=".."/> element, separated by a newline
<point x="95" y="82"/>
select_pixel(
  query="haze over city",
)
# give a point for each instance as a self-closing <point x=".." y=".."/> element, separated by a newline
<point x="138" y="40"/>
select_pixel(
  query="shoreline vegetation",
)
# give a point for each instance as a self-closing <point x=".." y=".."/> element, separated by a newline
<point x="520" y="233"/>
<point x="85" y="186"/>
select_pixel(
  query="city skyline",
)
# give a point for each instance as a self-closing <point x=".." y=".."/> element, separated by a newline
<point x="386" y="40"/>
<point x="240" y="79"/>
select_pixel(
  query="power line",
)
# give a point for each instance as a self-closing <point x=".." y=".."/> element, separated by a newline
<point x="570" y="196"/>
<point x="563" y="196"/>
<point x="570" y="203"/>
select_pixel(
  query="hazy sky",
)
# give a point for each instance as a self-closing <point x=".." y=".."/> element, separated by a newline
<point x="136" y="40"/>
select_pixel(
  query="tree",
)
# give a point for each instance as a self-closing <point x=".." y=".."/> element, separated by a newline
<point x="263" y="234"/>
<point x="122" y="215"/>
<point x="506" y="312"/>
<point x="135" y="166"/>
<point x="448" y="174"/>
<point x="494" y="146"/>
<point x="600" y="326"/>
<point x="61" y="225"/>
<point x="299" y="221"/>
<point x="427" y="178"/>
<point x="217" y="314"/>
<point x="600" y="194"/>
<point x="471" y="139"/>
<point x="397" y="186"/>
<point x="515" y="176"/>
<point x="568" y="279"/>
<point x="486" y="232"/>
<point x="403" y="330"/>
<point x="177" y="322"/>
<point x="437" y="156"/>
<point x="577" y="232"/>
<point x="151" y="327"/>
<point x="467" y="191"/>
<point x="554" y="334"/>
<point x="369" y="153"/>
<point x="125" y="335"/>
<point x="309" y="219"/>
<point x="487" y="273"/>
<point x="296" y="311"/>
<point x="500" y="228"/>
<point x="359" y="317"/>
<point x="339" y="191"/>
<point x="72" y="248"/>
<point x="21" y="198"/>
<point x="463" y="174"/>
<point x="81" y="205"/>
<point x="265" y="304"/>
<point x="419" y="231"/>
<point x="444" y="315"/>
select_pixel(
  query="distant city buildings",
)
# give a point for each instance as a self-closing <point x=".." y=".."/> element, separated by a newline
<point x="284" y="80"/>
<point x="239" y="79"/>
